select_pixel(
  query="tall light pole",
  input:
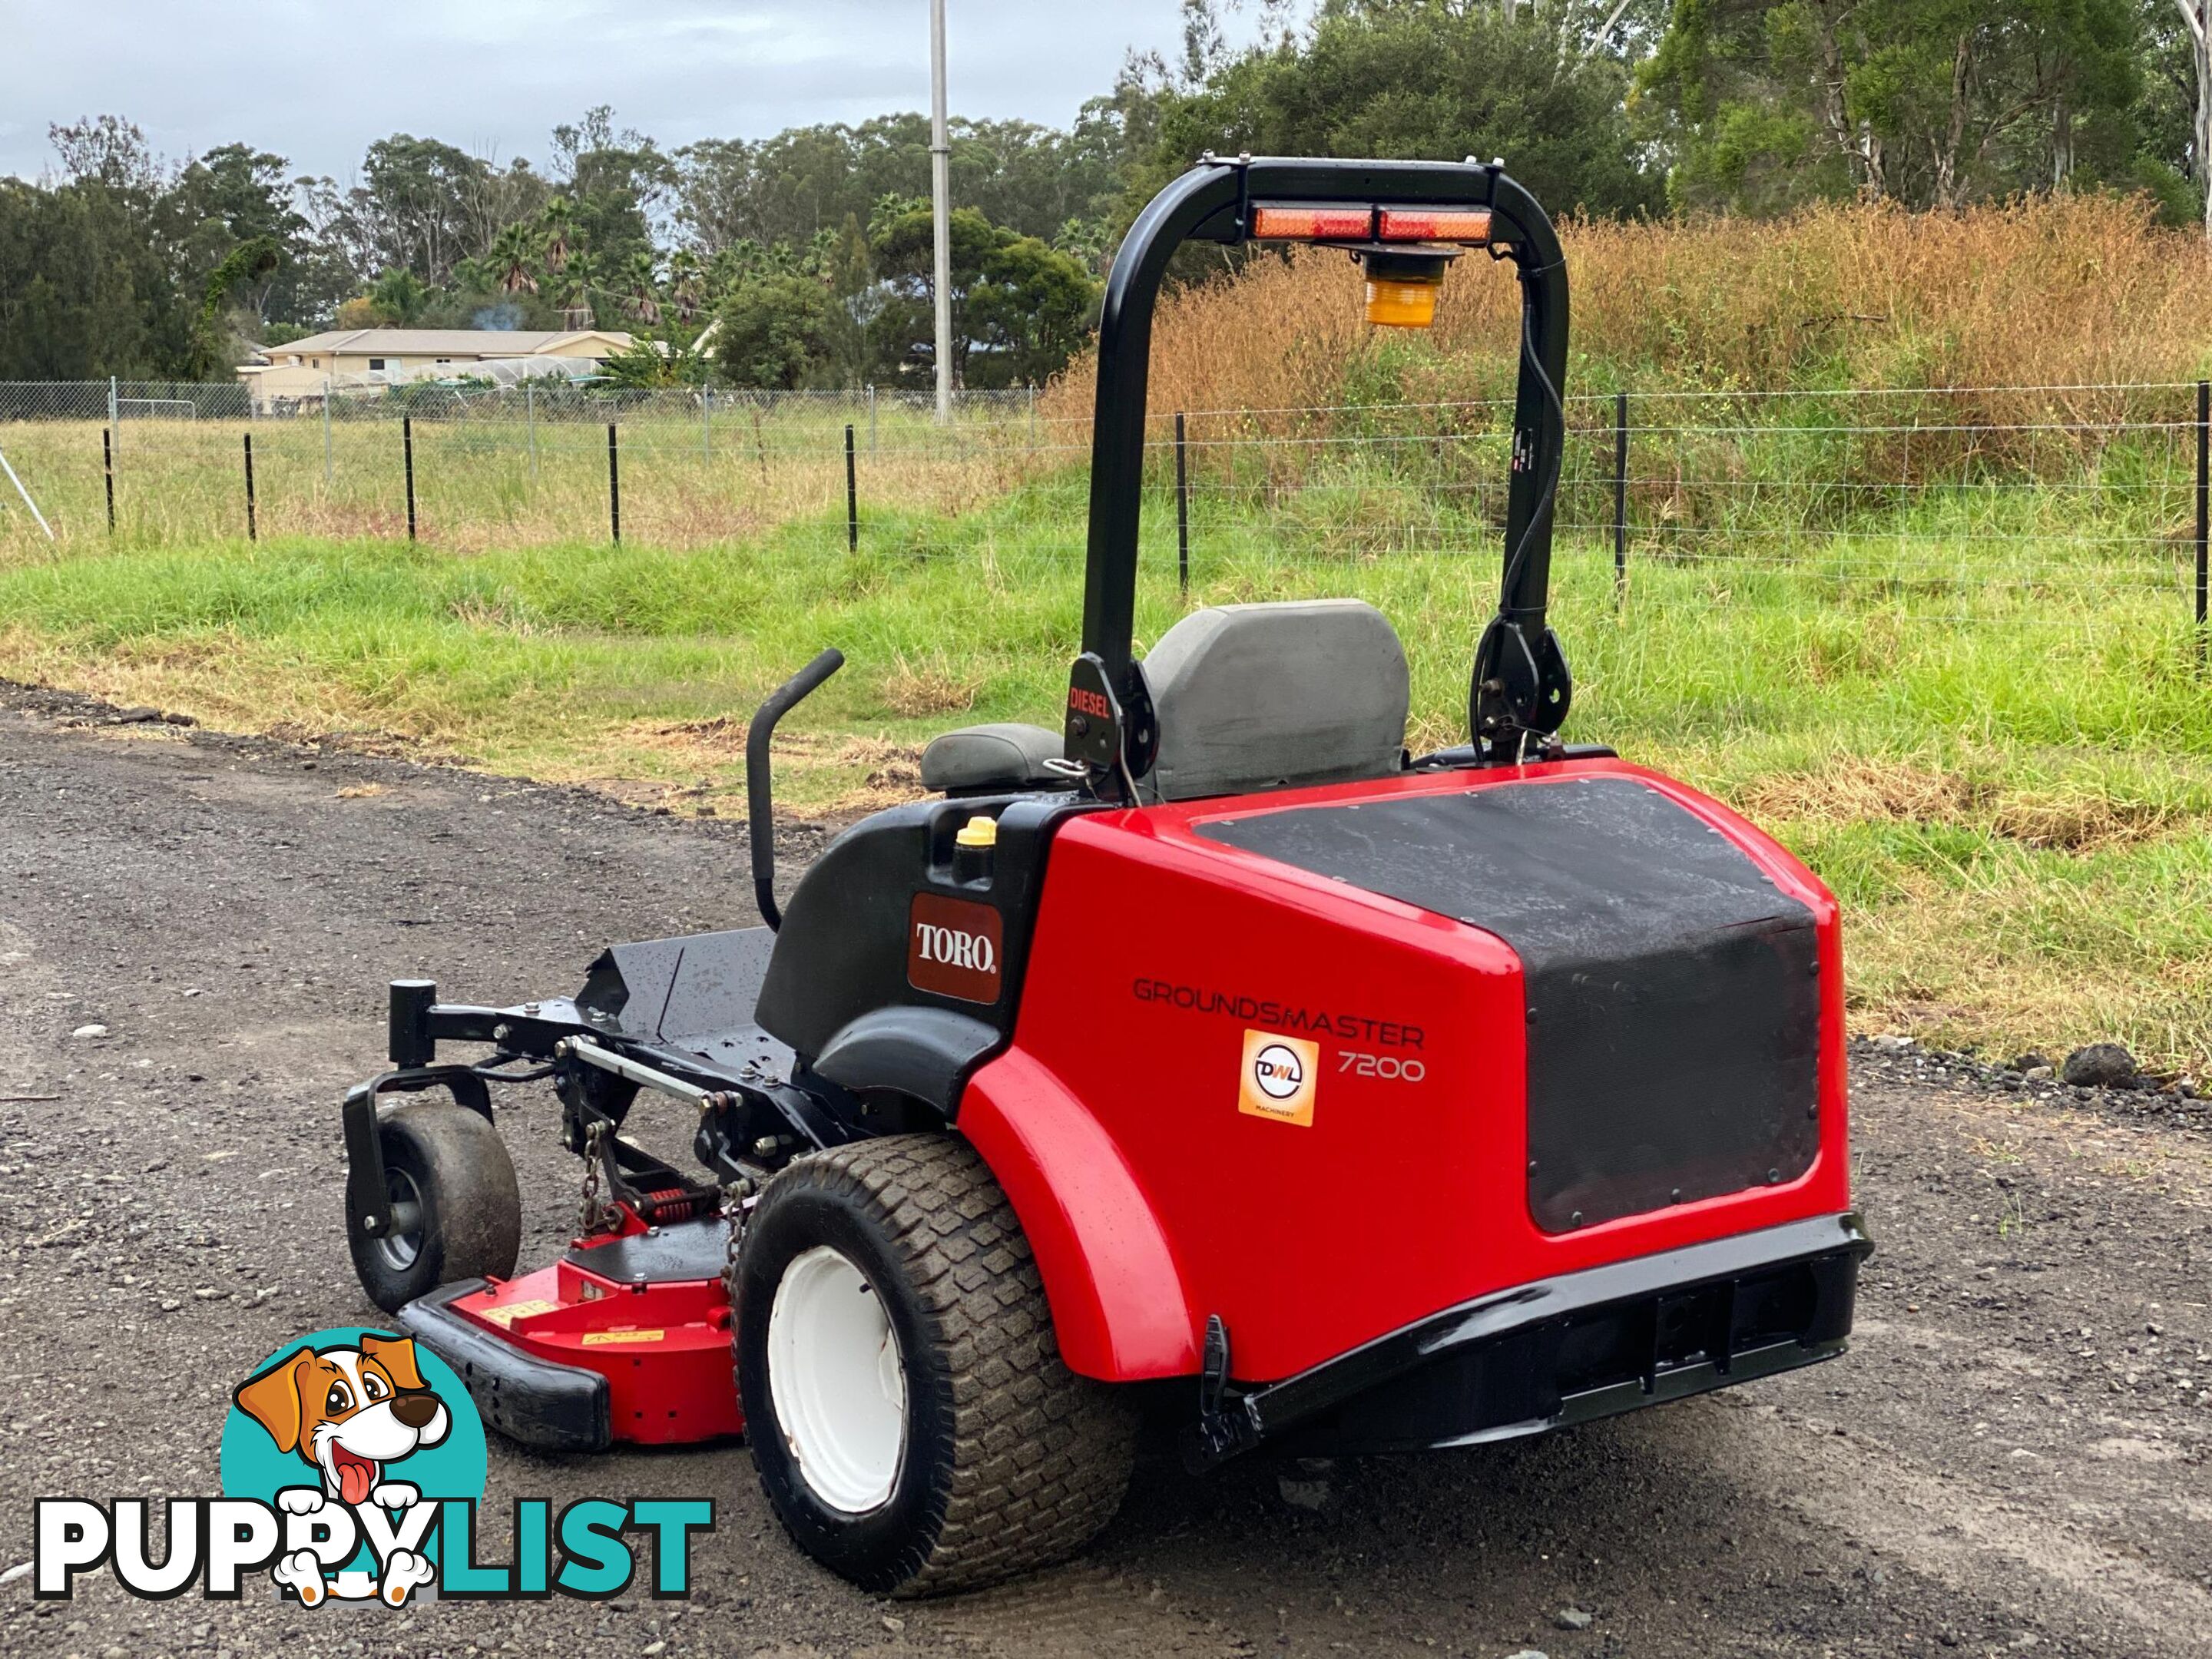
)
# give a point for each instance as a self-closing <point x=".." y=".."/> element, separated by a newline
<point x="940" y="192"/>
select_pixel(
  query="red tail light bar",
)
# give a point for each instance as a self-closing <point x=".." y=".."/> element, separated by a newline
<point x="1313" y="224"/>
<point x="1355" y="223"/>
<point x="1468" y="225"/>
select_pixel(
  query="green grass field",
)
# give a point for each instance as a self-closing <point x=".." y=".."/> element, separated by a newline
<point x="1982" y="721"/>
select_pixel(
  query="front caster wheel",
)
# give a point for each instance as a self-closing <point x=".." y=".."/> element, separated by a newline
<point x="905" y="1401"/>
<point x="455" y="1210"/>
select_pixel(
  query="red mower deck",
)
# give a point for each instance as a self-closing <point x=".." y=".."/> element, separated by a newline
<point x="661" y="1344"/>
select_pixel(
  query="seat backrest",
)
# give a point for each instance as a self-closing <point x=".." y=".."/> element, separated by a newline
<point x="1267" y="696"/>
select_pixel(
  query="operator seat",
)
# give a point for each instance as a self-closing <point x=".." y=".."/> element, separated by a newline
<point x="1250" y="697"/>
<point x="1276" y="696"/>
<point x="984" y="759"/>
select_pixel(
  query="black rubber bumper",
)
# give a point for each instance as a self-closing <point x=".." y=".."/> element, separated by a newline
<point x="534" y="1401"/>
<point x="1567" y="1350"/>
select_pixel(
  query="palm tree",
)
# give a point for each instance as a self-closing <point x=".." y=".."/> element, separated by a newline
<point x="687" y="284"/>
<point x="580" y="289"/>
<point x="559" y="220"/>
<point x="512" y="263"/>
<point x="642" y="288"/>
<point x="399" y="297"/>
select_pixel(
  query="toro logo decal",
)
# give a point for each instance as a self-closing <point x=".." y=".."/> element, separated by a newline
<point x="1280" y="1076"/>
<point x="954" y="948"/>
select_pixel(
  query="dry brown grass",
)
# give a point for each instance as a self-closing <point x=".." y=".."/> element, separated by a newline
<point x="2083" y="824"/>
<point x="916" y="691"/>
<point x="200" y="676"/>
<point x="373" y="742"/>
<point x="816" y="772"/>
<point x="2061" y="291"/>
<point x="1859" y="791"/>
<point x="2078" y="819"/>
<point x="721" y="738"/>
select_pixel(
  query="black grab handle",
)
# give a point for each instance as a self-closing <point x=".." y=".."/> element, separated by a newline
<point x="760" y="805"/>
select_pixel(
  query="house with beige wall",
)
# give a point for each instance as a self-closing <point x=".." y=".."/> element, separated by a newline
<point x="351" y="359"/>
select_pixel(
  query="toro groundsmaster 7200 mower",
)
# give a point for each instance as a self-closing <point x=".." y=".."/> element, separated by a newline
<point x="1341" y="1098"/>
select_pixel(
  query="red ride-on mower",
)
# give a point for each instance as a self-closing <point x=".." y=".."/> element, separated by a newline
<point x="1348" y="1100"/>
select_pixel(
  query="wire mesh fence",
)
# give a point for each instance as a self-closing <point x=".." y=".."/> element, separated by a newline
<point x="2033" y="504"/>
<point x="2028" y="505"/>
<point x="490" y="466"/>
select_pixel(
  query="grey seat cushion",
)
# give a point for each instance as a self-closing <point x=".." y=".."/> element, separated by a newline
<point x="1007" y="755"/>
<point x="1267" y="696"/>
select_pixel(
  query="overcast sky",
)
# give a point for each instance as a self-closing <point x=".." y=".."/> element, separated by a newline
<point x="318" y="82"/>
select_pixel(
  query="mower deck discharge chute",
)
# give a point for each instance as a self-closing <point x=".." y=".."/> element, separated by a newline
<point x="1349" y="1100"/>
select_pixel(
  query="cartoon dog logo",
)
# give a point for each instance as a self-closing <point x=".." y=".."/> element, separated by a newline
<point x="350" y="1413"/>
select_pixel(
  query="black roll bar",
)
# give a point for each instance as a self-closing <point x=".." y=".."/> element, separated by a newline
<point x="1521" y="687"/>
<point x="759" y="800"/>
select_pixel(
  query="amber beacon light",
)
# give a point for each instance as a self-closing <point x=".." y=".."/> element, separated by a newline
<point x="1403" y="252"/>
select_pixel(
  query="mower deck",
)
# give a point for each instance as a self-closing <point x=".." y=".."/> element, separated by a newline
<point x="626" y="1338"/>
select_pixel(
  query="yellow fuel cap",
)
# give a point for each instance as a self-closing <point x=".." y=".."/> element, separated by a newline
<point x="978" y="831"/>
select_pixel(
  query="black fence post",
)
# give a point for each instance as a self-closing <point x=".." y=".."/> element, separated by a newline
<point x="252" y="527"/>
<point x="1619" y="498"/>
<point x="1182" y="510"/>
<point x="407" y="444"/>
<point x="614" y="484"/>
<point x="2203" y="504"/>
<point x="851" y="497"/>
<point x="107" y="472"/>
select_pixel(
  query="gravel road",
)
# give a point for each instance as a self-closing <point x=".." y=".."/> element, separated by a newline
<point x="2011" y="1458"/>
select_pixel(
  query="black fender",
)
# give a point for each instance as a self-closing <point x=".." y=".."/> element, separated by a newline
<point x="926" y="1054"/>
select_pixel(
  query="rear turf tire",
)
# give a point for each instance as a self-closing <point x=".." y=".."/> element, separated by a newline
<point x="999" y="1459"/>
<point x="451" y="1184"/>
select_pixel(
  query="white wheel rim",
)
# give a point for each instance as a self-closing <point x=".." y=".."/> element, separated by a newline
<point x="837" y="1381"/>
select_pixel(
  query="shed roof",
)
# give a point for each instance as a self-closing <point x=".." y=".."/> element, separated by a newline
<point x="448" y="341"/>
